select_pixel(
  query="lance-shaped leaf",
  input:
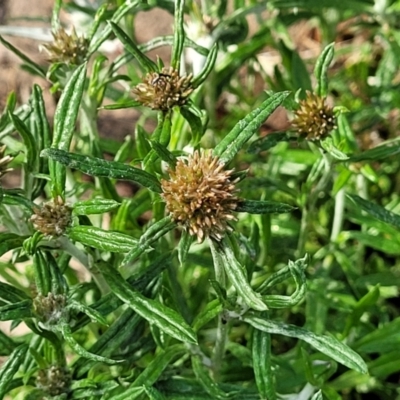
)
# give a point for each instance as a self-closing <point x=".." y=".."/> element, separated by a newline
<point x="10" y="241"/>
<point x="101" y="239"/>
<point x="208" y="67"/>
<point x="10" y="367"/>
<point x="269" y="141"/>
<point x="31" y="64"/>
<point x="65" y="329"/>
<point x="262" y="364"/>
<point x="150" y="375"/>
<point x="263" y="207"/>
<point x="97" y="167"/>
<point x="16" y="311"/>
<point x="203" y="376"/>
<point x="278" y="301"/>
<point x="321" y="68"/>
<point x="179" y="34"/>
<point x="152" y="234"/>
<point x="31" y="150"/>
<point x="142" y="59"/>
<point x="377" y="153"/>
<point x="94" y="206"/>
<point x="245" y="128"/>
<point x="64" y="124"/>
<point x="325" y="344"/>
<point x="168" y="320"/>
<point x="223" y="254"/>
<point x="377" y="211"/>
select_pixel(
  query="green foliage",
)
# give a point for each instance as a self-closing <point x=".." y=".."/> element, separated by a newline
<point x="269" y="268"/>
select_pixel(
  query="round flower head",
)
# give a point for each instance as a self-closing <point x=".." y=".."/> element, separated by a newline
<point x="163" y="90"/>
<point x="52" y="218"/>
<point x="314" y="119"/>
<point x="69" y="49"/>
<point x="201" y="196"/>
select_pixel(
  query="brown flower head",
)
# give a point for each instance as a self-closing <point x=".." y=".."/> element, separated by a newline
<point x="52" y="218"/>
<point x="201" y="195"/>
<point x="4" y="161"/>
<point x="49" y="309"/>
<point x="69" y="49"/>
<point x="163" y="90"/>
<point x="54" y="380"/>
<point x="314" y="119"/>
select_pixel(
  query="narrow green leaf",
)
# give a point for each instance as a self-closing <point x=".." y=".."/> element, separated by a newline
<point x="16" y="311"/>
<point x="121" y="11"/>
<point x="32" y="161"/>
<point x="268" y="142"/>
<point x="11" y="294"/>
<point x="10" y="367"/>
<point x="119" y="332"/>
<point x="156" y="313"/>
<point x="376" y="211"/>
<point x="67" y="335"/>
<point x="366" y="302"/>
<point x="64" y="124"/>
<point x="42" y="274"/>
<point x="383" y="339"/>
<point x="297" y="271"/>
<point x="377" y="153"/>
<point x="194" y="122"/>
<point x="247" y="127"/>
<point x="14" y="197"/>
<point x="210" y="311"/>
<point x="236" y="274"/>
<point x="31" y="64"/>
<point x="10" y="241"/>
<point x="163" y="153"/>
<point x="152" y="234"/>
<point x="94" y="315"/>
<point x="152" y="372"/>
<point x="262" y="364"/>
<point x="94" y="206"/>
<point x="101" y="239"/>
<point x="122" y="104"/>
<point x="98" y="167"/>
<point x="179" y="34"/>
<point x="321" y="68"/>
<point x="185" y="242"/>
<point x="208" y="67"/>
<point x="142" y="59"/>
<point x="263" y="207"/>
<point x="131" y="393"/>
<point x="325" y="344"/>
<point x="203" y="376"/>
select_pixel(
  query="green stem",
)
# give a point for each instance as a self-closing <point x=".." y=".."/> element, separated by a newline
<point x="219" y="347"/>
<point x="309" y="206"/>
<point x="338" y="214"/>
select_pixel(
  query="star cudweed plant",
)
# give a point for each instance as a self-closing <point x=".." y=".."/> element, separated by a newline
<point x="218" y="251"/>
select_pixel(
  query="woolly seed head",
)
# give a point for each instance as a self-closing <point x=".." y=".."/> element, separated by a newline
<point x="69" y="49"/>
<point x="314" y="119"/>
<point x="52" y="218"/>
<point x="163" y="90"/>
<point x="201" y="196"/>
